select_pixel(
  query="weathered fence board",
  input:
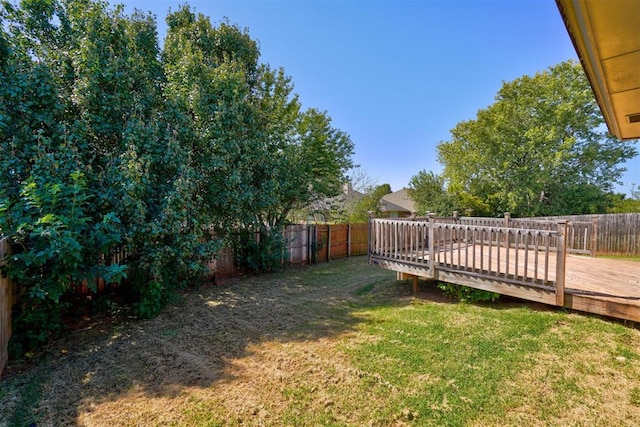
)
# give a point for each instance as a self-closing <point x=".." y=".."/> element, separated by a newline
<point x="297" y="240"/>
<point x="359" y="239"/>
<point x="323" y="243"/>
<point x="339" y="239"/>
<point x="617" y="234"/>
<point x="224" y="264"/>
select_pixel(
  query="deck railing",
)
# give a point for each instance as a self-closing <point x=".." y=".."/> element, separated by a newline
<point x="520" y="256"/>
<point x="581" y="235"/>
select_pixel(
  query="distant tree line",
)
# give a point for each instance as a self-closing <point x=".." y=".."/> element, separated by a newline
<point x="541" y="149"/>
<point x="108" y="141"/>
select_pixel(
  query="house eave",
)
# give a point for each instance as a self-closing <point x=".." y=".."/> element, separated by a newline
<point x="606" y="36"/>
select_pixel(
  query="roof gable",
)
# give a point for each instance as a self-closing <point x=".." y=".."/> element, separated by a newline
<point x="399" y="201"/>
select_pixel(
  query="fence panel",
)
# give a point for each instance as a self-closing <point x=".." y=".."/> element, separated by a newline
<point x="297" y="239"/>
<point x="359" y="240"/>
<point x="307" y="244"/>
<point x="224" y="263"/>
<point x="339" y="243"/>
<point x="482" y="221"/>
<point x="617" y="234"/>
<point x="322" y="243"/>
<point x="6" y="291"/>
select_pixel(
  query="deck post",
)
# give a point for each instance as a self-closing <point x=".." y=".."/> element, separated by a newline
<point x="561" y="261"/>
<point x="507" y="224"/>
<point x="432" y="255"/>
<point x="370" y="237"/>
<point x="594" y="235"/>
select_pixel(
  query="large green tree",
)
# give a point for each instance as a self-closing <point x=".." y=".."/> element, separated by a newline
<point x="540" y="149"/>
<point x="109" y="142"/>
<point x="258" y="155"/>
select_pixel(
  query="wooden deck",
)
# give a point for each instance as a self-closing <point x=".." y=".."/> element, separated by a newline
<point x="529" y="264"/>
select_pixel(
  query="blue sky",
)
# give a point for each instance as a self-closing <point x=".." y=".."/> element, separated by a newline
<point x="397" y="75"/>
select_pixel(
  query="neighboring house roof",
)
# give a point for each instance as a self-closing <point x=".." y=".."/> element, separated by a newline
<point x="606" y="36"/>
<point x="397" y="202"/>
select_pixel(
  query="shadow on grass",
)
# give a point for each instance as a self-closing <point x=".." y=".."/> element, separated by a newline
<point x="192" y="343"/>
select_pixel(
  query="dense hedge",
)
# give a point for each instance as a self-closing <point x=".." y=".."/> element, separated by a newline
<point x="107" y="140"/>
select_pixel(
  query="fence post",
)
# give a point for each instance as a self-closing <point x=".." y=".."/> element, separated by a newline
<point x="432" y="256"/>
<point x="314" y="245"/>
<point x="561" y="261"/>
<point x="6" y="303"/>
<point x="594" y="236"/>
<point x="285" y="249"/>
<point x="328" y="242"/>
<point x="309" y="243"/>
<point x="456" y="217"/>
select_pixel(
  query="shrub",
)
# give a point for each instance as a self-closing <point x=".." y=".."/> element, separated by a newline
<point x="466" y="294"/>
<point x="261" y="251"/>
<point x="55" y="244"/>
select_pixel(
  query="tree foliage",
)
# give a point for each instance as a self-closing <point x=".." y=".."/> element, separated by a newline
<point x="110" y="142"/>
<point x="429" y="192"/>
<point x="623" y="204"/>
<point x="540" y="149"/>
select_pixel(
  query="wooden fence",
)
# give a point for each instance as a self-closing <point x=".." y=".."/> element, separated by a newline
<point x="603" y="234"/>
<point x="6" y="293"/>
<point x="307" y="244"/>
<point x="338" y="241"/>
<point x="580" y="237"/>
<point x="617" y="234"/>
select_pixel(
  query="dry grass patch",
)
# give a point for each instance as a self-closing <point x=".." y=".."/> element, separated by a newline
<point x="158" y="371"/>
<point x="337" y="344"/>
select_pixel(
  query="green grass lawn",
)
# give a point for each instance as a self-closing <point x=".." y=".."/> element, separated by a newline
<point x="339" y="344"/>
<point x="452" y="364"/>
<point x="635" y="258"/>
